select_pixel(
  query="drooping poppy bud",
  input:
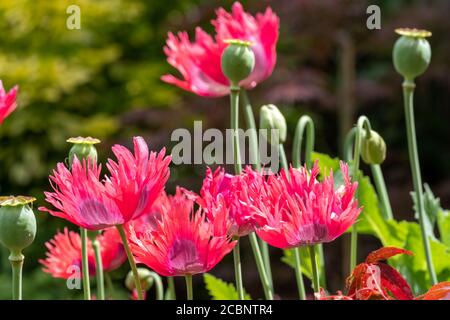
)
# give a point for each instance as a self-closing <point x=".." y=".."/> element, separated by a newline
<point x="83" y="148"/>
<point x="17" y="224"/>
<point x="412" y="52"/>
<point x="373" y="148"/>
<point x="145" y="276"/>
<point x="272" y="118"/>
<point x="238" y="60"/>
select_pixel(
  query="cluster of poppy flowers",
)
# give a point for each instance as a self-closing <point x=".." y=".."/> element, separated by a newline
<point x="189" y="233"/>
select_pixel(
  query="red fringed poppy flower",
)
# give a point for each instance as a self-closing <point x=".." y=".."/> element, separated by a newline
<point x="199" y="62"/>
<point x="63" y="258"/>
<point x="299" y="210"/>
<point x="81" y="197"/>
<point x="134" y="184"/>
<point x="136" y="180"/>
<point x="220" y="184"/>
<point x="7" y="101"/>
<point x="182" y="242"/>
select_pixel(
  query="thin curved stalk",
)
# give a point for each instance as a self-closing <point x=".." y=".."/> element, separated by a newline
<point x="99" y="270"/>
<point x="260" y="265"/>
<point x="126" y="246"/>
<point x="189" y="290"/>
<point x="408" y="92"/>
<point x="254" y="154"/>
<point x="84" y="264"/>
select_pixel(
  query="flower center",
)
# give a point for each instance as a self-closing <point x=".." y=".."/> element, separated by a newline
<point x="183" y="257"/>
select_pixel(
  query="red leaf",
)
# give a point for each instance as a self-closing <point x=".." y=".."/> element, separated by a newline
<point x="385" y="253"/>
<point x="393" y="283"/>
<point x="440" y="291"/>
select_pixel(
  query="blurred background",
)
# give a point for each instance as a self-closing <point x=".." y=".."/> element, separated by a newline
<point x="104" y="81"/>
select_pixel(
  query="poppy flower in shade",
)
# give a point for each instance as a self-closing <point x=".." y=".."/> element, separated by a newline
<point x="199" y="62"/>
<point x="299" y="210"/>
<point x="183" y="242"/>
<point x="136" y="180"/>
<point x="220" y="184"/>
<point x="63" y="257"/>
<point x="81" y="197"/>
<point x="7" y="101"/>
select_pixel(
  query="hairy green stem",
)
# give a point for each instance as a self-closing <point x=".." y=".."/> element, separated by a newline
<point x="159" y="286"/>
<point x="171" y="290"/>
<point x="189" y="290"/>
<point x="363" y="123"/>
<point x="99" y="270"/>
<point x="408" y="93"/>
<point x="16" y="260"/>
<point x="315" y="269"/>
<point x="238" y="270"/>
<point x="85" y="264"/>
<point x="126" y="246"/>
<point x="298" y="274"/>
<point x="378" y="178"/>
<point x="234" y="117"/>
<point x="260" y="265"/>
<point x="254" y="155"/>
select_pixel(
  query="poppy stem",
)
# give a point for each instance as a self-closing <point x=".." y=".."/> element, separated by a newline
<point x="16" y="260"/>
<point x="99" y="270"/>
<point x="298" y="274"/>
<point x="315" y="269"/>
<point x="238" y="270"/>
<point x="255" y="160"/>
<point x="363" y="123"/>
<point x="268" y="293"/>
<point x="189" y="291"/>
<point x="171" y="293"/>
<point x="159" y="286"/>
<point x="85" y="264"/>
<point x="408" y="94"/>
<point x="126" y="246"/>
<point x="234" y="117"/>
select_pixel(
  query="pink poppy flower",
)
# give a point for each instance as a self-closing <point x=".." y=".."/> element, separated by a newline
<point x="300" y="210"/>
<point x="242" y="220"/>
<point x="199" y="62"/>
<point x="136" y="180"/>
<point x="63" y="258"/>
<point x="81" y="197"/>
<point x="183" y="242"/>
<point x="7" y="101"/>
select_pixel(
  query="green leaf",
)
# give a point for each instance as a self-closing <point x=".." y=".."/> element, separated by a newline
<point x="443" y="223"/>
<point x="220" y="290"/>
<point x="325" y="162"/>
<point x="431" y="205"/>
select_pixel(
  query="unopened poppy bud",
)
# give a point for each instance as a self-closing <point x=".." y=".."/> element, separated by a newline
<point x="373" y="148"/>
<point x="238" y="61"/>
<point x="272" y="118"/>
<point x="83" y="148"/>
<point x="145" y="276"/>
<point x="412" y="52"/>
<point x="17" y="224"/>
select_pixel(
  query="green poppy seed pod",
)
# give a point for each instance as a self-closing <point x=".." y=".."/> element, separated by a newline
<point x="412" y="52"/>
<point x="373" y="148"/>
<point x="238" y="61"/>
<point x="271" y="118"/>
<point x="83" y="148"/>
<point x="17" y="224"/>
<point x="145" y="276"/>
